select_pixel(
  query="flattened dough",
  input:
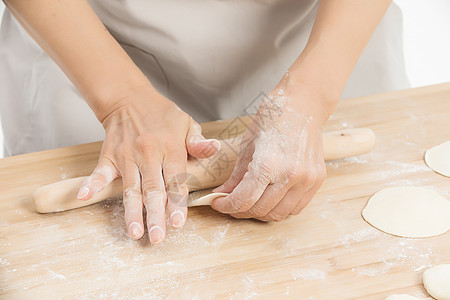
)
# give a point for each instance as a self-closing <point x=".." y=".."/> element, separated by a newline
<point x="437" y="281"/>
<point x="203" y="197"/>
<point x="408" y="211"/>
<point x="438" y="158"/>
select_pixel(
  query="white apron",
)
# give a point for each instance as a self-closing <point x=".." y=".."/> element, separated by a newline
<point x="213" y="58"/>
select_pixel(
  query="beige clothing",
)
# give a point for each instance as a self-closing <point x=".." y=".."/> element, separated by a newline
<point x="213" y="58"/>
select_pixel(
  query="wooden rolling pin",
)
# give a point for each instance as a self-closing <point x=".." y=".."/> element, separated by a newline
<point x="201" y="173"/>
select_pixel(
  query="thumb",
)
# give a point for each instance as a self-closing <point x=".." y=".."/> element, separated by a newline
<point x="103" y="174"/>
<point x="196" y="144"/>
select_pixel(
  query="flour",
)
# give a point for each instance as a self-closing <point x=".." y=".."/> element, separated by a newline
<point x="371" y="271"/>
<point x="56" y="275"/>
<point x="413" y="253"/>
<point x="248" y="290"/>
<point x="361" y="235"/>
<point x="220" y="234"/>
<point x="309" y="274"/>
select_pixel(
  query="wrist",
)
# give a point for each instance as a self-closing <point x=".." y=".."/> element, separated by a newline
<point x="323" y="70"/>
<point x="308" y="99"/>
<point x="106" y="99"/>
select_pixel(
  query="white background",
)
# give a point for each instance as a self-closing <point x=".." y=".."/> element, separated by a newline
<point x="426" y="41"/>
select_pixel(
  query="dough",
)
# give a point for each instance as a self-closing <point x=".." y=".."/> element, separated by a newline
<point x="402" y="297"/>
<point x="203" y="197"/>
<point x="437" y="281"/>
<point x="438" y="158"/>
<point x="408" y="211"/>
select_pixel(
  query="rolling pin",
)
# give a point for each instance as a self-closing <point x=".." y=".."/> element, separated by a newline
<point x="201" y="173"/>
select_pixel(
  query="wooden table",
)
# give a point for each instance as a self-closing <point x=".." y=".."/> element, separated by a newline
<point x="326" y="252"/>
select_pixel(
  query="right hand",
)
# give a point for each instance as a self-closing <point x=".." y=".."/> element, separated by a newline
<point x="147" y="141"/>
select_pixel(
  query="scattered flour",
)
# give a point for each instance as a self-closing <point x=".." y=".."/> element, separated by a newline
<point x="309" y="274"/>
<point x="358" y="236"/>
<point x="56" y="275"/>
<point x="373" y="270"/>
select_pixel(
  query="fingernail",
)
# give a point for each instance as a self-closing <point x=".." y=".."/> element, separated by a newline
<point x="197" y="138"/>
<point x="156" y="235"/>
<point x="177" y="219"/>
<point x="135" y="230"/>
<point x="84" y="191"/>
<point x="215" y="142"/>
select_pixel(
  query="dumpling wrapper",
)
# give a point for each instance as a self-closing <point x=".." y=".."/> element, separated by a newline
<point x="408" y="211"/>
<point x="203" y="197"/>
<point x="438" y="159"/>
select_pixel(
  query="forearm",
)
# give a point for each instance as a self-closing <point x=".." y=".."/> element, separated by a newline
<point x="74" y="37"/>
<point x="340" y="33"/>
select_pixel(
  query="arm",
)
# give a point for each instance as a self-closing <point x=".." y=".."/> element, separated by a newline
<point x="281" y="164"/>
<point x="340" y="33"/>
<point x="75" y="38"/>
<point x="147" y="136"/>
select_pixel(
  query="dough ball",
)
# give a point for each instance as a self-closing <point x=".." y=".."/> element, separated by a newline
<point x="408" y="211"/>
<point x="438" y="158"/>
<point x="402" y="297"/>
<point x="437" y="281"/>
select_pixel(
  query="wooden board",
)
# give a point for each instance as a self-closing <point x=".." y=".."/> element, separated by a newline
<point x="326" y="252"/>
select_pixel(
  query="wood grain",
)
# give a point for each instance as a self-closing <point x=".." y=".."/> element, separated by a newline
<point x="326" y="252"/>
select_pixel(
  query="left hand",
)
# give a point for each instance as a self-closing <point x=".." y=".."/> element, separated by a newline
<point x="281" y="165"/>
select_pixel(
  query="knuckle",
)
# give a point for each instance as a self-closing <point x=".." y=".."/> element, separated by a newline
<point x="145" y="144"/>
<point x="179" y="199"/>
<point x="150" y="186"/>
<point x="132" y="215"/>
<point x="175" y="186"/>
<point x="308" y="177"/>
<point x="275" y="217"/>
<point x="153" y="211"/>
<point x="97" y="179"/>
<point x="174" y="149"/>
<point x="175" y="167"/>
<point x="258" y="177"/>
<point x="295" y="211"/>
<point x="292" y="174"/>
<point x="322" y="174"/>
<point x="153" y="197"/>
<point x="300" y="206"/>
<point x="295" y="172"/>
<point x="234" y="177"/>
<point x="258" y="212"/>
<point x="237" y="205"/>
<point x="132" y="193"/>
<point x="261" y="168"/>
<point x="265" y="168"/>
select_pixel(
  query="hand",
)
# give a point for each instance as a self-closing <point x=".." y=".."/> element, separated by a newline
<point x="147" y="141"/>
<point x="281" y="164"/>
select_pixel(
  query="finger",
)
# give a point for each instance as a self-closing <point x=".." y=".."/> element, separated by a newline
<point x="104" y="173"/>
<point x="132" y="200"/>
<point x="197" y="145"/>
<point x="241" y="167"/>
<point x="292" y="203"/>
<point x="303" y="202"/>
<point x="286" y="205"/>
<point x="273" y="195"/>
<point x="154" y="198"/>
<point x="246" y="193"/>
<point x="308" y="182"/>
<point x="321" y="175"/>
<point x="174" y="171"/>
